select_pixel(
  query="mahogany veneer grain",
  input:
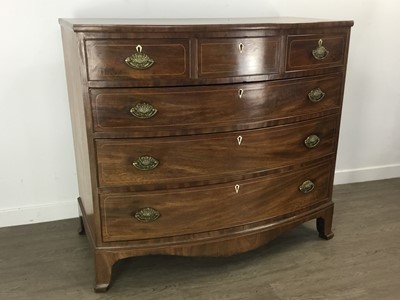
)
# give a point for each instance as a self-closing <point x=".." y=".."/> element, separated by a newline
<point x="233" y="112"/>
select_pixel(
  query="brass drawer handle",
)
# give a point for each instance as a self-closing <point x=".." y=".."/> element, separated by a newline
<point x="320" y="52"/>
<point x="145" y="163"/>
<point x="312" y="141"/>
<point x="316" y="95"/>
<point x="307" y="186"/>
<point x="143" y="110"/>
<point x="139" y="60"/>
<point x="147" y="215"/>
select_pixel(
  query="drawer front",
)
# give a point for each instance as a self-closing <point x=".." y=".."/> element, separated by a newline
<point x="158" y="111"/>
<point x="239" y="56"/>
<point x="177" y="212"/>
<point x="188" y="159"/>
<point x="141" y="59"/>
<point x="315" y="51"/>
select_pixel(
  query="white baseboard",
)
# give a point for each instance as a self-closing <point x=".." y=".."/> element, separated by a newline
<point x="367" y="174"/>
<point x="38" y="213"/>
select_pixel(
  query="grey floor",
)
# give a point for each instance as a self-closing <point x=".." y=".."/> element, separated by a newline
<point x="362" y="261"/>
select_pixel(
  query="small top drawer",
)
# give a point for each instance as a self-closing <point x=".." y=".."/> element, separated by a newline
<point x="238" y="56"/>
<point x="315" y="51"/>
<point x="141" y="59"/>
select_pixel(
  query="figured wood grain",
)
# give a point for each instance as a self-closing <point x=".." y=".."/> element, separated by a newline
<point x="299" y="51"/>
<point x="212" y="207"/>
<point x="194" y="152"/>
<point x="81" y="129"/>
<point x="205" y="157"/>
<point x="106" y="59"/>
<point x="239" y="56"/>
<point x="109" y="25"/>
<point x="360" y="263"/>
<point x="212" y="108"/>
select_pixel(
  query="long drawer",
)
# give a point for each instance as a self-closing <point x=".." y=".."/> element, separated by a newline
<point x="159" y="161"/>
<point x="165" y="111"/>
<point x="163" y="213"/>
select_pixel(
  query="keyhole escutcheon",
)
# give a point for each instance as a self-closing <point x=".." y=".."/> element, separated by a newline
<point x="237" y="187"/>
<point x="239" y="139"/>
<point x="240" y="93"/>
<point x="241" y="47"/>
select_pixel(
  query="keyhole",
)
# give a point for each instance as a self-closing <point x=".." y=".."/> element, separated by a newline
<point x="237" y="187"/>
<point x="239" y="139"/>
<point x="240" y="93"/>
<point x="241" y="47"/>
<point x="139" y="48"/>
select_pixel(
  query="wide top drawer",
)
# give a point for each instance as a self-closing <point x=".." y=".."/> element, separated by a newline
<point x="140" y="59"/>
<point x="165" y="111"/>
<point x="305" y="52"/>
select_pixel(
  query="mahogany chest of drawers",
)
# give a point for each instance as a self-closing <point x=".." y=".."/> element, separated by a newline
<point x="202" y="137"/>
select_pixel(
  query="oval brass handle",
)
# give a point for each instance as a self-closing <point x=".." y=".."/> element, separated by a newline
<point x="316" y="95"/>
<point x="147" y="215"/>
<point x="320" y="52"/>
<point x="139" y="60"/>
<point x="307" y="186"/>
<point x="145" y="163"/>
<point x="312" y="141"/>
<point x="143" y="110"/>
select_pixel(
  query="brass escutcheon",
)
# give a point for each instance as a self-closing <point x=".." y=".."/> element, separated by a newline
<point x="320" y="52"/>
<point x="139" y="60"/>
<point x="145" y="163"/>
<point x="143" y="110"/>
<point x="147" y="215"/>
<point x="240" y="93"/>
<point x="316" y="95"/>
<point x="241" y="47"/>
<point x="312" y="141"/>
<point x="307" y="186"/>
